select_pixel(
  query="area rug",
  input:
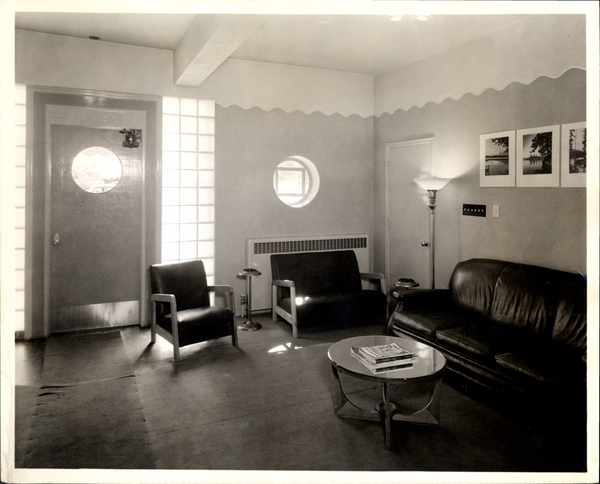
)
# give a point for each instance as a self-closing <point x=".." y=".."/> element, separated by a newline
<point x="88" y="412"/>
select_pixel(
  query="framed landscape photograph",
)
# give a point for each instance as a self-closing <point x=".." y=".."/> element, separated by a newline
<point x="573" y="159"/>
<point x="538" y="157"/>
<point x="497" y="159"/>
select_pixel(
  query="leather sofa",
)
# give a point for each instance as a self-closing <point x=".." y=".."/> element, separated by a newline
<point x="325" y="288"/>
<point x="514" y="328"/>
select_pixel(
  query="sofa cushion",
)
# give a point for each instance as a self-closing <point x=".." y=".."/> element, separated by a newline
<point x="473" y="282"/>
<point x="333" y="272"/>
<point x="527" y="296"/>
<point x="570" y="324"/>
<point x="543" y="365"/>
<point x="481" y="342"/>
<point x="427" y="322"/>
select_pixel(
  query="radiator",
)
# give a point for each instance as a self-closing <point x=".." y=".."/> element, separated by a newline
<point x="258" y="256"/>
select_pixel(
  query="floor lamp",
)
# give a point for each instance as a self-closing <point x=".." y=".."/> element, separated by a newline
<point x="432" y="185"/>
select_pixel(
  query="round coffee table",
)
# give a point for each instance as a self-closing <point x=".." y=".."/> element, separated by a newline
<point x="428" y="364"/>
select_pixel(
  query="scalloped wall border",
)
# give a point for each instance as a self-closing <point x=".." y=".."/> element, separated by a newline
<point x="483" y="91"/>
<point x="250" y="84"/>
<point x="250" y="106"/>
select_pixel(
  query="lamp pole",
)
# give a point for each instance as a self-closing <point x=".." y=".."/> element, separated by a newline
<point x="432" y="237"/>
<point x="432" y="185"/>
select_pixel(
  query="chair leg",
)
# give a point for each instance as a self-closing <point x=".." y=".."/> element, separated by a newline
<point x="234" y="335"/>
<point x="176" y="352"/>
<point x="152" y="322"/>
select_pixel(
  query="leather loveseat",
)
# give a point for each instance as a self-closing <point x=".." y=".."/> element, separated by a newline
<point x="507" y="326"/>
<point x="325" y="288"/>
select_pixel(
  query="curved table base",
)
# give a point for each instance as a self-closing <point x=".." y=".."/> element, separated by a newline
<point x="386" y="410"/>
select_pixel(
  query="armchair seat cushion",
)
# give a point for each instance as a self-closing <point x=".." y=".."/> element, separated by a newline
<point x="201" y="324"/>
<point x="323" y="309"/>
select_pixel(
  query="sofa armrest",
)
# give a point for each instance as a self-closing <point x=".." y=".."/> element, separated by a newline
<point x="376" y="277"/>
<point x="424" y="298"/>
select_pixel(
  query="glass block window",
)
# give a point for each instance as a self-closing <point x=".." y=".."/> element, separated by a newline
<point x="20" y="177"/>
<point x="188" y="180"/>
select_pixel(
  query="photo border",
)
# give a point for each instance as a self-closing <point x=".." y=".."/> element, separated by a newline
<point x="497" y="180"/>
<point x="569" y="179"/>
<point x="543" y="180"/>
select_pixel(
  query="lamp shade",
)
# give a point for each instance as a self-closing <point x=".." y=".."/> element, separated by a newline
<point x="432" y="183"/>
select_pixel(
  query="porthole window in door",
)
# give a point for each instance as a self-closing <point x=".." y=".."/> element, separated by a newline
<point x="296" y="181"/>
<point x="97" y="169"/>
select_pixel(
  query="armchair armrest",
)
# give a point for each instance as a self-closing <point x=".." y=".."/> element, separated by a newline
<point x="277" y="284"/>
<point x="166" y="298"/>
<point x="226" y="290"/>
<point x="374" y="276"/>
<point x="283" y="283"/>
<point x="170" y="300"/>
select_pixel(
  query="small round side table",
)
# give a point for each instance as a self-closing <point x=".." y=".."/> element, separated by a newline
<point x="248" y="325"/>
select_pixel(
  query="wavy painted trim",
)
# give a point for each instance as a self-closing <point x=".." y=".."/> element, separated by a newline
<point x="290" y="111"/>
<point x="249" y="106"/>
<point x="479" y="92"/>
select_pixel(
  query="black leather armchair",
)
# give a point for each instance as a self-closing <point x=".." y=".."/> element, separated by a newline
<point x="181" y="309"/>
<point x="322" y="288"/>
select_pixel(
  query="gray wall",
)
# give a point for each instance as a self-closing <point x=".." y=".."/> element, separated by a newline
<point x="540" y="226"/>
<point x="249" y="146"/>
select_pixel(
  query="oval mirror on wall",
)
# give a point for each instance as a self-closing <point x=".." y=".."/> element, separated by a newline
<point x="97" y="169"/>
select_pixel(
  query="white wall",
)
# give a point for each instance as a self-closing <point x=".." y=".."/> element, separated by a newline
<point x="541" y="45"/>
<point x="59" y="61"/>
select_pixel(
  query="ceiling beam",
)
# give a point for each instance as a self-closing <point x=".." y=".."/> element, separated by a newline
<point x="207" y="43"/>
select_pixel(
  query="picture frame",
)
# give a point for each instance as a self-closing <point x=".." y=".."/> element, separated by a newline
<point x="573" y="158"/>
<point x="497" y="159"/>
<point x="538" y="156"/>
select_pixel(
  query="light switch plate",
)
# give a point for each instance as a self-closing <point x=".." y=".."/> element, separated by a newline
<point x="473" y="210"/>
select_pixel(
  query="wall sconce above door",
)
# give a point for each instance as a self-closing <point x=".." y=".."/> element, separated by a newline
<point x="133" y="138"/>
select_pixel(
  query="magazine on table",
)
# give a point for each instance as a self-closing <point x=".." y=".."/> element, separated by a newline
<point x="384" y="353"/>
<point x="384" y="366"/>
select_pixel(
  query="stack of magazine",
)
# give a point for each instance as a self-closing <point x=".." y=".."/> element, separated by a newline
<point x="379" y="359"/>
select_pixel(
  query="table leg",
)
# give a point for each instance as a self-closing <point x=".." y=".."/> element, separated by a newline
<point x="340" y="398"/>
<point x="388" y="416"/>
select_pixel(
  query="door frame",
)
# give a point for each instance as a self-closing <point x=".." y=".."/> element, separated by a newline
<point x="388" y="148"/>
<point x="38" y="235"/>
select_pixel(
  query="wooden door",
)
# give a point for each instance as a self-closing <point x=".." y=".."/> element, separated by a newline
<point x="407" y="212"/>
<point x="96" y="229"/>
